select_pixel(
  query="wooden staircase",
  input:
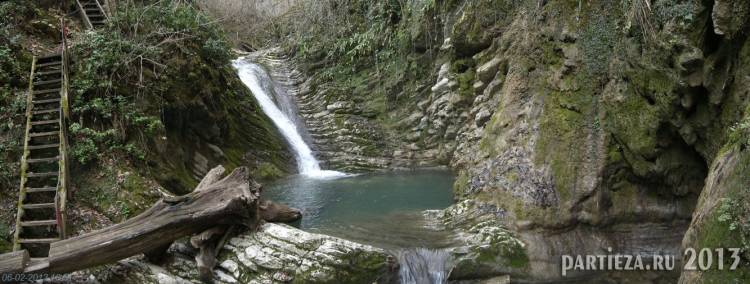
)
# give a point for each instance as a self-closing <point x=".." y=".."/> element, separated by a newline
<point x="41" y="203"/>
<point x="93" y="13"/>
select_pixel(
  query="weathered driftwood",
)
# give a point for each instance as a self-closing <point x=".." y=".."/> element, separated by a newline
<point x="14" y="262"/>
<point x="232" y="200"/>
<point x="208" y="246"/>
<point x="210" y="241"/>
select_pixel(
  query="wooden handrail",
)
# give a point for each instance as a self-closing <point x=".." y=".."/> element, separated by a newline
<point x="64" y="55"/>
<point x="62" y="188"/>
<point x="104" y="12"/>
<point x="24" y="157"/>
<point x="83" y="12"/>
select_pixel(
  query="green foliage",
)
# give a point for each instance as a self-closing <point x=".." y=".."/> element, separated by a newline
<point x="735" y="214"/>
<point x="465" y="78"/>
<point x="267" y="171"/>
<point x="14" y="61"/>
<point x="171" y="26"/>
<point x="125" y="210"/>
<point x="10" y="68"/>
<point x="740" y="132"/>
<point x="91" y="144"/>
<point x="14" y="12"/>
<point x="726" y="213"/>
<point x="598" y="42"/>
<point x="681" y="12"/>
<point x="131" y="69"/>
<point x="14" y="64"/>
<point x="85" y="149"/>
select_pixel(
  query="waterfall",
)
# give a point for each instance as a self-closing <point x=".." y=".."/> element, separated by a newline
<point x="424" y="266"/>
<point x="260" y="84"/>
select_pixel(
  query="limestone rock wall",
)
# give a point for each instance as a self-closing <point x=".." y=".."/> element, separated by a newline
<point x="574" y="125"/>
<point x="569" y="124"/>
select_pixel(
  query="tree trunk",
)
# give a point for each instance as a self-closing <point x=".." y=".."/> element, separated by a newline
<point x="228" y="201"/>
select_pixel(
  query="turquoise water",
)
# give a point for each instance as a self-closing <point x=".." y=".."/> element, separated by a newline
<point x="382" y="209"/>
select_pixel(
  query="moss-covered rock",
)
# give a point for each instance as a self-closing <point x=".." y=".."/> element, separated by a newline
<point x="721" y="218"/>
<point x="179" y="109"/>
<point x="491" y="251"/>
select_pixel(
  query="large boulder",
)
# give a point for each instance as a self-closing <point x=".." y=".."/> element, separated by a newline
<point x="283" y="253"/>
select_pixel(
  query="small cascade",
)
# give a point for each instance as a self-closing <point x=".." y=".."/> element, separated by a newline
<point x="424" y="266"/>
<point x="260" y="84"/>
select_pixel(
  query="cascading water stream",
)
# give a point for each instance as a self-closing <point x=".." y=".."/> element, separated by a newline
<point x="424" y="266"/>
<point x="260" y="84"/>
<point x="418" y="265"/>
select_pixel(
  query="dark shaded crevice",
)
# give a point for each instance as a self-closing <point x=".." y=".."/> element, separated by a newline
<point x="692" y="98"/>
<point x="711" y="40"/>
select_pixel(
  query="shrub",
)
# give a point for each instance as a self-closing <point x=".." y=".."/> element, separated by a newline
<point x="14" y="64"/>
<point x="128" y="70"/>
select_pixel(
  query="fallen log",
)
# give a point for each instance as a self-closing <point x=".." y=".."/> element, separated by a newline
<point x="232" y="200"/>
<point x="13" y="262"/>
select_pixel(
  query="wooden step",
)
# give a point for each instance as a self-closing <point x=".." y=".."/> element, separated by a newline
<point x="46" y="111"/>
<point x="53" y="106"/>
<point x="40" y="189"/>
<point x="38" y="241"/>
<point x="45" y="146"/>
<point x="38" y="102"/>
<point x="43" y="122"/>
<point x="38" y="223"/>
<point x="49" y="68"/>
<point x="47" y="82"/>
<point x="47" y="91"/>
<point x="56" y="55"/>
<point x="42" y="134"/>
<point x="43" y="160"/>
<point x="38" y="206"/>
<point x="49" y="174"/>
<point x="53" y="63"/>
<point x="45" y="73"/>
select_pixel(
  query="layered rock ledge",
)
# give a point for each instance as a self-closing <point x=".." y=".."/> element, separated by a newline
<point x="273" y="254"/>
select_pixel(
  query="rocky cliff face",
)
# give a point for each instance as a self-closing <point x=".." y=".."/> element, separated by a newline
<point x="721" y="217"/>
<point x="577" y="125"/>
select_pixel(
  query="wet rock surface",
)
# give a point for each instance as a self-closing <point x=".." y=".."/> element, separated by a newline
<point x="275" y="253"/>
<point x="572" y="133"/>
<point x="340" y="133"/>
